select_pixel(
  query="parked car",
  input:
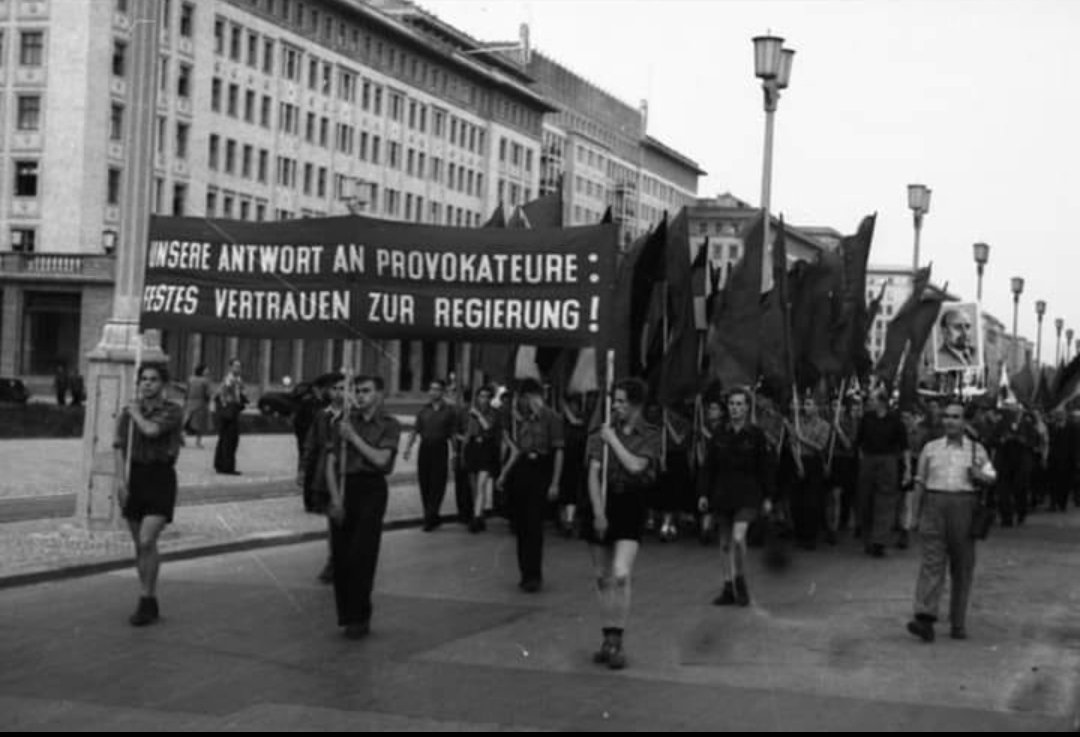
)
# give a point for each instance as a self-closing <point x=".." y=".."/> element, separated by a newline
<point x="13" y="390"/>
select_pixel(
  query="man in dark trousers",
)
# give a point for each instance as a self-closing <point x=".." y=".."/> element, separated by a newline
<point x="369" y="438"/>
<point x="230" y="403"/>
<point x="435" y="425"/>
<point x="531" y="476"/>
<point x="883" y="445"/>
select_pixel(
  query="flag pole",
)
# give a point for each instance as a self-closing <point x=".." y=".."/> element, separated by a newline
<point x="609" y="383"/>
<point x="835" y="426"/>
<point x="131" y="420"/>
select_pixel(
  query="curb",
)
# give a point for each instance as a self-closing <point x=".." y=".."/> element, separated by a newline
<point x="250" y="542"/>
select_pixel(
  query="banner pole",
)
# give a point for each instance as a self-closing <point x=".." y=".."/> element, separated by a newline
<point x="609" y="383"/>
<point x="131" y="421"/>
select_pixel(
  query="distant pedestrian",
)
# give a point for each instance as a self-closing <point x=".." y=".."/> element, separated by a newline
<point x="230" y="404"/>
<point x="482" y="435"/>
<point x="614" y="519"/>
<point x="197" y="404"/>
<point x="950" y="472"/>
<point x="77" y="387"/>
<point x="368" y="437"/>
<point x="147" y="443"/>
<point x="434" y="426"/>
<point x="60" y="384"/>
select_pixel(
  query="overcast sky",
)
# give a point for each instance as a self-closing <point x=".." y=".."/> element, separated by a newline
<point x="977" y="99"/>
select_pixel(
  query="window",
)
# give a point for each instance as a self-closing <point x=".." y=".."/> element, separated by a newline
<point x="233" y="105"/>
<point x="393" y="153"/>
<point x="236" y="41"/>
<point x="309" y="128"/>
<point x="453" y="129"/>
<point x="408" y="205"/>
<point x="183" y="81"/>
<point x="309" y="176"/>
<point x="215" y="95"/>
<point x="226" y="205"/>
<point x="253" y="50"/>
<point x="412" y="114"/>
<point x="421" y="162"/>
<point x="321" y="189"/>
<point x="26" y="178"/>
<point x="219" y="37"/>
<point x="245" y="161"/>
<point x="502" y="149"/>
<point x="515" y="154"/>
<point x="245" y="209"/>
<point x="264" y="163"/>
<point x="348" y="86"/>
<point x="377" y="106"/>
<point x="451" y="169"/>
<point x="249" y="106"/>
<point x="324" y="132"/>
<point x="268" y="57"/>
<point x="436" y="169"/>
<point x="179" y="202"/>
<point x="31" y="48"/>
<point x="119" y="58"/>
<point x="290" y="64"/>
<point x="29" y="114"/>
<point x="313" y="74"/>
<point x="528" y="159"/>
<point x="211" y="201"/>
<point x="423" y="119"/>
<point x="187" y="19"/>
<point x="410" y="161"/>
<point x="230" y="156"/>
<point x="163" y="75"/>
<point x="375" y="144"/>
<point x="363" y="153"/>
<point x="365" y="95"/>
<point x="183" y="131"/>
<point x="260" y="211"/>
<point x="23" y="239"/>
<point x="113" y="189"/>
<point x="212" y="155"/>
<point x="264" y="113"/>
<point x="396" y="107"/>
<point x="479" y="184"/>
<point x="327" y="78"/>
<point x="159" y="135"/>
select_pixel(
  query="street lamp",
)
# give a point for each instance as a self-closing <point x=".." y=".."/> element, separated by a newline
<point x="772" y="65"/>
<point x="1040" y="310"/>
<point x="982" y="255"/>
<point x="918" y="199"/>
<point x="1017" y="290"/>
<point x="1068" y="344"/>
<point x="1058" y="325"/>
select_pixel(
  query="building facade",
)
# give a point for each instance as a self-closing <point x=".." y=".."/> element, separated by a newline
<point x="597" y="150"/>
<point x="266" y="110"/>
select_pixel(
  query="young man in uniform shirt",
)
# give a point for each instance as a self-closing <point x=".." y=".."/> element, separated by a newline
<point x="945" y="501"/>
<point x="148" y="439"/>
<point x="435" y="425"/>
<point x="369" y="438"/>
<point x="615" y="518"/>
<point x="883" y="445"/>
<point x="230" y="403"/>
<point x="531" y="476"/>
<point x="311" y="474"/>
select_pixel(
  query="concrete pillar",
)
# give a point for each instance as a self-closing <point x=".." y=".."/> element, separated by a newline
<point x="390" y="364"/>
<point x="110" y="381"/>
<point x="416" y="366"/>
<point x="10" y="333"/>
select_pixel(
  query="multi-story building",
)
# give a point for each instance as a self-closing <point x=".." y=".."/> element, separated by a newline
<point x="266" y="109"/>
<point x="596" y="148"/>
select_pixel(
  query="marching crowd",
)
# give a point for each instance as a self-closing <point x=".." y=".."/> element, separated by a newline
<point x="731" y="469"/>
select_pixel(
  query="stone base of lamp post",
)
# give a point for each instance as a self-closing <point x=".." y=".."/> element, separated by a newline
<point x="110" y="385"/>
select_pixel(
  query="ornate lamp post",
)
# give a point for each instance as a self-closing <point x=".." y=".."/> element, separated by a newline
<point x="1040" y="311"/>
<point x="1059" y="324"/>
<point x="1017" y="283"/>
<point x="1068" y="344"/>
<point x="772" y="65"/>
<point x="982" y="255"/>
<point x="918" y="198"/>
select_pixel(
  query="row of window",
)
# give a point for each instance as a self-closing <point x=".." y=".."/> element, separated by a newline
<point x="589" y="187"/>
<point x="27" y="181"/>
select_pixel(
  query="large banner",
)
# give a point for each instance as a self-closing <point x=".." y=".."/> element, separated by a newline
<point x="349" y="277"/>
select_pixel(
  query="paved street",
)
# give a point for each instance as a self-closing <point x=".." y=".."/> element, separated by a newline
<point x="248" y="642"/>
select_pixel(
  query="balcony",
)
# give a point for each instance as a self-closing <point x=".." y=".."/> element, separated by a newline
<point x="57" y="266"/>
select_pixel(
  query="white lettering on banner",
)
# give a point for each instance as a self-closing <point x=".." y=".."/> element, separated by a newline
<point x="270" y="258"/>
<point x="171" y="298"/>
<point x="348" y="259"/>
<point x="254" y="304"/>
<point x="179" y="255"/>
<point x="475" y="313"/>
<point x="392" y="308"/>
<point x="477" y="268"/>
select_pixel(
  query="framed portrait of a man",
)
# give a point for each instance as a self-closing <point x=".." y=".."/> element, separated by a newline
<point x="957" y="337"/>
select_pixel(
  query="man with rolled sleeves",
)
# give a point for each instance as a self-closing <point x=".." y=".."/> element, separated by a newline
<point x="531" y="477"/>
<point x="369" y="438"/>
<point x="148" y="440"/>
<point x="435" y="425"/>
<point x="945" y="499"/>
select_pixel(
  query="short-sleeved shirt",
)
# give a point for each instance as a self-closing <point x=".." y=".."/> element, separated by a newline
<point x="882" y="435"/>
<point x="943" y="464"/>
<point x="642" y="440"/>
<point x="382" y="432"/>
<point x="539" y="434"/>
<point x="435" y="424"/>
<point x="162" y="448"/>
<point x="816" y="430"/>
<point x="473" y="428"/>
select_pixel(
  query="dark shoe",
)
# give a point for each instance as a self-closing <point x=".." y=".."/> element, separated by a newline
<point x="326" y="575"/>
<point x="727" y="596"/>
<point x="830" y="537"/>
<point x="958" y="633"/>
<point x="474" y="525"/>
<point x="145" y="613"/>
<point x="230" y="473"/>
<point x="603" y="655"/>
<point x="358" y="630"/>
<point x="430" y="525"/>
<point x="616" y="658"/>
<point x="903" y="540"/>
<point x="877" y="550"/>
<point x="530" y="586"/>
<point x="921" y="629"/>
<point x="742" y="594"/>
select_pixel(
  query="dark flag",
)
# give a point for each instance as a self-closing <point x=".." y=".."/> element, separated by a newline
<point x="546" y="211"/>
<point x="920" y="322"/>
<point x="679" y="365"/>
<point x="776" y="356"/>
<point x="852" y="313"/>
<point x="898" y="331"/>
<point x="1023" y="384"/>
<point x="735" y="322"/>
<point x="497" y="219"/>
<point x="609" y="216"/>
<point x="636" y="275"/>
<point x="1067" y="384"/>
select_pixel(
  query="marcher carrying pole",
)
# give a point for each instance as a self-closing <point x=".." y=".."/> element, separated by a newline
<point x="609" y="384"/>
